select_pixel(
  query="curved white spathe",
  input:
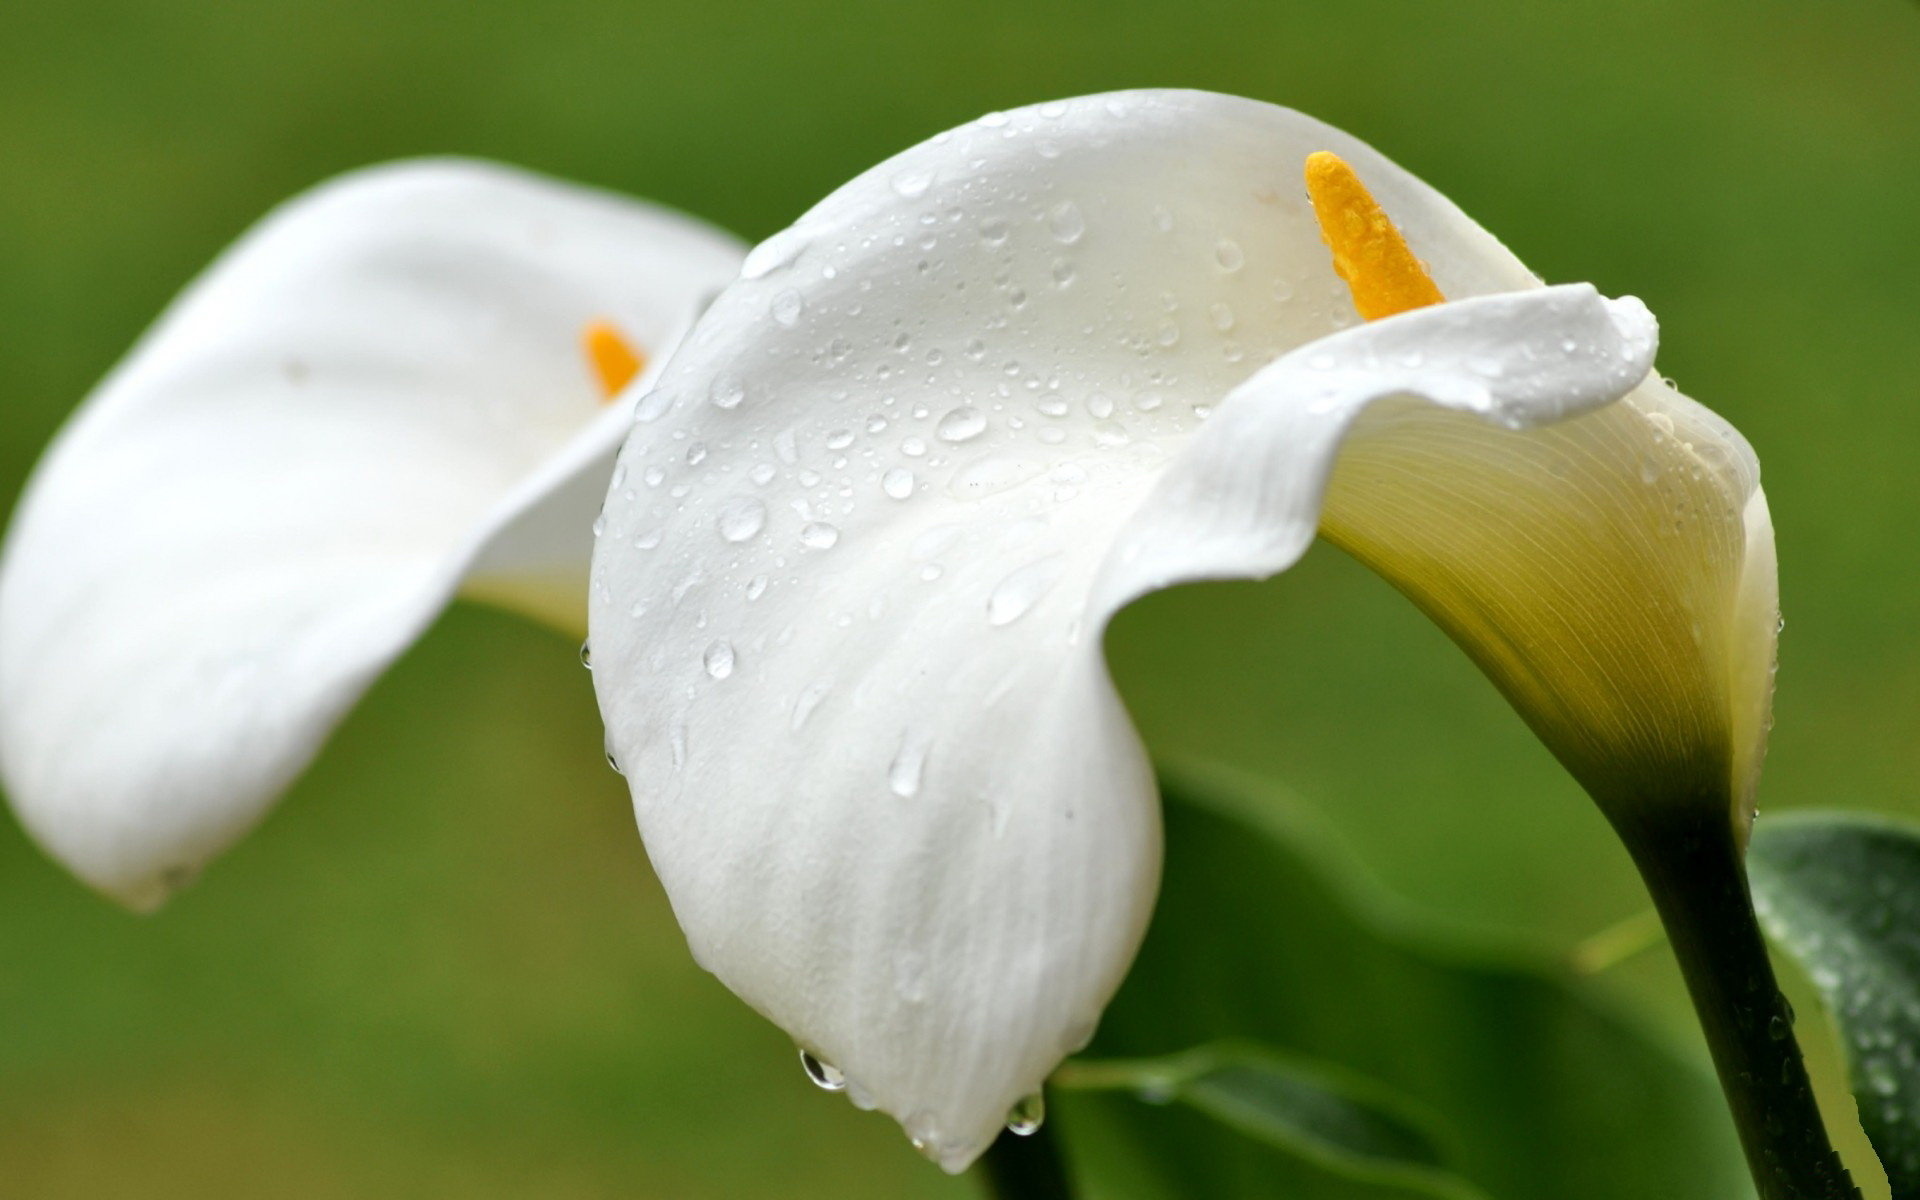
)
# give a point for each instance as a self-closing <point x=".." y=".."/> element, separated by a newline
<point x="847" y="604"/>
<point x="376" y="395"/>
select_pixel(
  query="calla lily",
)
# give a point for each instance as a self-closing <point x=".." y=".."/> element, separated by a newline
<point x="861" y="547"/>
<point x="375" y="400"/>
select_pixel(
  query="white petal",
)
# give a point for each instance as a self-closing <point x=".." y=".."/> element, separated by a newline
<point x="847" y="638"/>
<point x="290" y="475"/>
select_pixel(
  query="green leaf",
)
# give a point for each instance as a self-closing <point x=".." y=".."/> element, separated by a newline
<point x="1337" y="1120"/>
<point x="1840" y="892"/>
<point x="1542" y="1092"/>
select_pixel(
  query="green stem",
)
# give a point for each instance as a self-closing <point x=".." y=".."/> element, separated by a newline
<point x="1025" y="1168"/>
<point x="1688" y="856"/>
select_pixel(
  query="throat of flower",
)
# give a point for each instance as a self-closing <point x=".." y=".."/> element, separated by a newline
<point x="1368" y="251"/>
<point x="615" y="361"/>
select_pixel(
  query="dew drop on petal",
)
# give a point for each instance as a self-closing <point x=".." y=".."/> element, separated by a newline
<point x="741" y="518"/>
<point x="586" y="655"/>
<point x="1027" y="1116"/>
<point x="1013" y="596"/>
<point x="652" y="406"/>
<point x="727" y="391"/>
<point x="962" y="424"/>
<point x="787" y="307"/>
<point x="911" y="183"/>
<point x="719" y="659"/>
<point x="819" y="535"/>
<point x="823" y="1073"/>
<point x="1066" y="222"/>
<point x="904" y="772"/>
<point x="1229" y="255"/>
<point x="806" y="702"/>
<point x="897" y="483"/>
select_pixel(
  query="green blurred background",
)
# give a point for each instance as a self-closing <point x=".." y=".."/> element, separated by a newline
<point x="443" y="967"/>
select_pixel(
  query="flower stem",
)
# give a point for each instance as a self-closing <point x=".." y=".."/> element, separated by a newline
<point x="1691" y="862"/>
<point x="1025" y="1168"/>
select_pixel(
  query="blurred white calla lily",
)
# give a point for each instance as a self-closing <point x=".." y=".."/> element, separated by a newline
<point x="859" y="552"/>
<point x="375" y="400"/>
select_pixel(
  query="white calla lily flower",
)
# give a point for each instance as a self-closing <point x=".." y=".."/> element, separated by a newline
<point x="861" y="547"/>
<point x="375" y="400"/>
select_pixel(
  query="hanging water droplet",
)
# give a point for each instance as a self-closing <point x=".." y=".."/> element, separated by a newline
<point x="962" y="424"/>
<point x="586" y="655"/>
<point x="897" y="483"/>
<point x="1026" y="1117"/>
<point x="787" y="307"/>
<point x="613" y="762"/>
<point x="818" y="535"/>
<point x="741" y="518"/>
<point x="823" y="1073"/>
<point x="727" y="391"/>
<point x="719" y="659"/>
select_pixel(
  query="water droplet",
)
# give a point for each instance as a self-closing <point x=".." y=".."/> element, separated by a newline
<point x="807" y="701"/>
<point x="897" y="483"/>
<point x="1013" y="596"/>
<point x="741" y="518"/>
<point x="912" y="183"/>
<point x="787" y="307"/>
<point x="776" y="252"/>
<point x="652" y="406"/>
<point x="904" y="773"/>
<point x="1221" y="315"/>
<point x="840" y="439"/>
<point x="962" y="424"/>
<point x="994" y="231"/>
<point x="727" y="391"/>
<point x="1066" y="222"/>
<point x="719" y="659"/>
<point x="613" y="763"/>
<point x="818" y="535"/>
<point x="823" y="1073"/>
<point x="1228" y="254"/>
<point x="1027" y="1116"/>
<point x="586" y="655"/>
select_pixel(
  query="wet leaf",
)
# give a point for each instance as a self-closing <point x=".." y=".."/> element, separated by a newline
<point x="1330" y="1117"/>
<point x="1840" y="892"/>
<point x="1539" y="1090"/>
